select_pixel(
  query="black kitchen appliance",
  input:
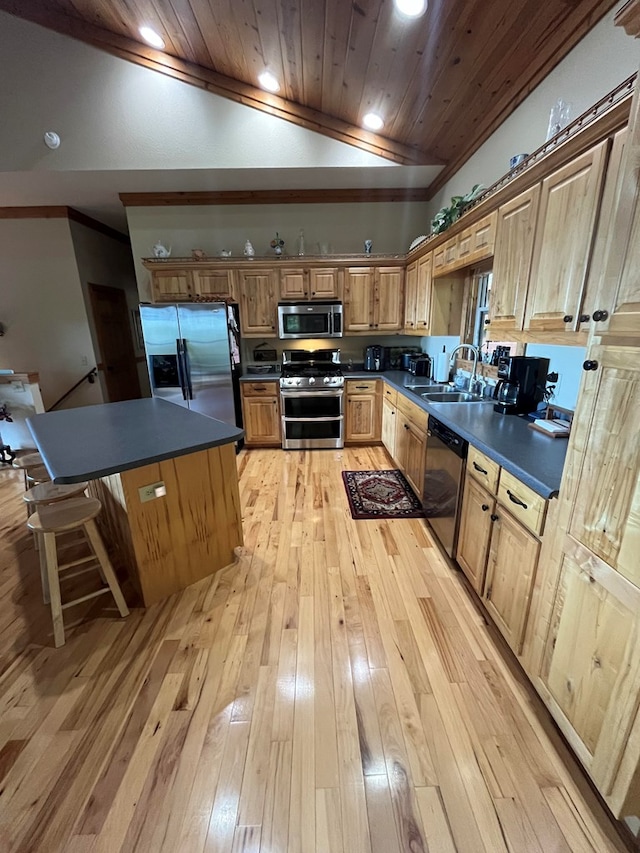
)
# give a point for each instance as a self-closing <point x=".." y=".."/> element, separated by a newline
<point x="373" y="358"/>
<point x="445" y="464"/>
<point x="420" y="365"/>
<point x="521" y="384"/>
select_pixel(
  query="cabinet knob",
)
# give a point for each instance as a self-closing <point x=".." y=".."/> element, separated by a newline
<point x="600" y="315"/>
<point x="494" y="517"/>
<point x="485" y="507"/>
<point x="406" y="426"/>
<point x="567" y="318"/>
<point x="584" y="318"/>
<point x="590" y="364"/>
<point x="487" y="321"/>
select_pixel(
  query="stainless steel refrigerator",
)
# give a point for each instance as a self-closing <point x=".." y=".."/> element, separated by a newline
<point x="193" y="357"/>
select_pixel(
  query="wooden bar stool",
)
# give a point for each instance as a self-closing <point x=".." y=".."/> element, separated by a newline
<point x="49" y="493"/>
<point x="72" y="514"/>
<point x="27" y="461"/>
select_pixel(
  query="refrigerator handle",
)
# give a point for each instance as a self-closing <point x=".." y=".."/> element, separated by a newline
<point x="187" y="369"/>
<point x="181" y="370"/>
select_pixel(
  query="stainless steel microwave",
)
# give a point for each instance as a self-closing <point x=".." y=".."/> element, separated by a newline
<point x="309" y="320"/>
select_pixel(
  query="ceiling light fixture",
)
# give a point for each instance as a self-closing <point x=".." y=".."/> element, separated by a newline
<point x="411" y="8"/>
<point x="151" y="37"/>
<point x="372" y="121"/>
<point x="269" y="82"/>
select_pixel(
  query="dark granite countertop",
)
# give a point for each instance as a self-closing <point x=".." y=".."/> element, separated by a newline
<point x="94" y="441"/>
<point x="535" y="459"/>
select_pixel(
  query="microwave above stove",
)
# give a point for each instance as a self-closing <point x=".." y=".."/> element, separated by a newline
<point x="309" y="320"/>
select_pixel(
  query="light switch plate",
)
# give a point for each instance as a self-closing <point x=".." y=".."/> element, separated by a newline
<point x="152" y="491"/>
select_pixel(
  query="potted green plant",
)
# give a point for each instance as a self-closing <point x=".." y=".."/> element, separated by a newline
<point x="448" y="215"/>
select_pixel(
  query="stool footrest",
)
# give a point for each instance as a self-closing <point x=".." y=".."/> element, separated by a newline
<point x="77" y="573"/>
<point x="86" y="597"/>
<point x="90" y="558"/>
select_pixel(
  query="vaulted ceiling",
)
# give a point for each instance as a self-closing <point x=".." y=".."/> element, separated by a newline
<point x="442" y="83"/>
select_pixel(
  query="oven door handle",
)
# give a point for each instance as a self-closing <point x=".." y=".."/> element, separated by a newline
<point x="312" y="420"/>
<point x="285" y="392"/>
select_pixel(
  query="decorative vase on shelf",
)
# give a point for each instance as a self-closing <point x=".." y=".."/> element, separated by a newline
<point x="160" y="251"/>
<point x="249" y="251"/>
<point x="277" y="244"/>
<point x="301" y="242"/>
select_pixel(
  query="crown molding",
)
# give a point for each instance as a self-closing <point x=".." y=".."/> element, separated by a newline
<point x="223" y="197"/>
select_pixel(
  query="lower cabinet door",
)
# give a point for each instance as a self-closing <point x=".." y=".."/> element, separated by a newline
<point x="513" y="560"/>
<point x="362" y="418"/>
<point x="475" y="531"/>
<point x="261" y="421"/>
<point x="591" y="665"/>
<point x="389" y="419"/>
<point x="414" y="458"/>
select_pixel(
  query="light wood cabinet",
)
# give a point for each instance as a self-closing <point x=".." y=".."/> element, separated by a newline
<point x="501" y="520"/>
<point x="300" y="283"/>
<point x="389" y="420"/>
<point x="373" y="299"/>
<point x="362" y="421"/>
<point x="211" y="283"/>
<point x="511" y="568"/>
<point x="172" y="285"/>
<point x="477" y="242"/>
<point x="569" y="205"/>
<point x="515" y="233"/>
<point x="591" y="665"/>
<point x="475" y="532"/>
<point x="261" y="413"/>
<point x="417" y="297"/>
<point x="606" y="440"/>
<point x="258" y="303"/>
<point x="411" y="442"/>
<point x="445" y="257"/>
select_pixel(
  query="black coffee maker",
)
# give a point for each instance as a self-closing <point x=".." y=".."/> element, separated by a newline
<point x="373" y="358"/>
<point x="521" y="384"/>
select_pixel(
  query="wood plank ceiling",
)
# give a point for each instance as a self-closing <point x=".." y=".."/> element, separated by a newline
<point x="442" y="82"/>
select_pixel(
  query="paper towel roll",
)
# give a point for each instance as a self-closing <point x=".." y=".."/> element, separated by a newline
<point x="441" y="369"/>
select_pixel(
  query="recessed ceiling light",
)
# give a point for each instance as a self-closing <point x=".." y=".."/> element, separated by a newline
<point x="373" y="121"/>
<point x="411" y="8"/>
<point x="269" y="82"/>
<point x="151" y="37"/>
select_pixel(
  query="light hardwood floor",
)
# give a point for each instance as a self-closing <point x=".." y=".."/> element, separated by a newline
<point x="336" y="690"/>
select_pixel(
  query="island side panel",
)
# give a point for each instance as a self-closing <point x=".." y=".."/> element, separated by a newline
<point x="192" y="531"/>
<point x="113" y="524"/>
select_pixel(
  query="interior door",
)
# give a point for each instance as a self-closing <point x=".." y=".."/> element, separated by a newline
<point x="113" y="330"/>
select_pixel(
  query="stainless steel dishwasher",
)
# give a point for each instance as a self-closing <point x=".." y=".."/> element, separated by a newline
<point x="443" y="476"/>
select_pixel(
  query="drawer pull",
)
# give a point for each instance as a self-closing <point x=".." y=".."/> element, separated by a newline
<point x="259" y="388"/>
<point x="485" y="507"/>
<point x="478" y="468"/>
<point x="516" y="500"/>
<point x="362" y="387"/>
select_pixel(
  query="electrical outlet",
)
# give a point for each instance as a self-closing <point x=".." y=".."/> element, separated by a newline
<point x="84" y="361"/>
<point x="152" y="491"/>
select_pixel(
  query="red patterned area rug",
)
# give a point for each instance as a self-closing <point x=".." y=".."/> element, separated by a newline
<point x="380" y="494"/>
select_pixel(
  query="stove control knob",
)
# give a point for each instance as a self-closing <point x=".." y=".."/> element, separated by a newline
<point x="312" y="380"/>
<point x="327" y="380"/>
<point x="298" y="381"/>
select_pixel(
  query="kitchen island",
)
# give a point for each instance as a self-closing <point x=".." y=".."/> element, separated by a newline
<point x="167" y="480"/>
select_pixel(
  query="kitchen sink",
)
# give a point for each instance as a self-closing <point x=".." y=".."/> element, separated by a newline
<point x="431" y="388"/>
<point x="452" y="396"/>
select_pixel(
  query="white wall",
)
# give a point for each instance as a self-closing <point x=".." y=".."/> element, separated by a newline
<point x="103" y="260"/>
<point x="392" y="227"/>
<point x="604" y="58"/>
<point x="42" y="309"/>
<point x="112" y="114"/>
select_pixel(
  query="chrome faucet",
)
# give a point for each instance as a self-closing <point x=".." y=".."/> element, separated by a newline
<point x="476" y="356"/>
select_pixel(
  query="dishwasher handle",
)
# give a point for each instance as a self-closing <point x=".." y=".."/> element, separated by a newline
<point x="453" y="442"/>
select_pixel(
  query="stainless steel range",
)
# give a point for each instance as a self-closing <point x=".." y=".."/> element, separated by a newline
<point x="312" y="399"/>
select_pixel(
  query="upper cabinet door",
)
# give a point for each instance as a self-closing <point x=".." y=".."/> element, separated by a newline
<point x="324" y="283"/>
<point x="214" y="283"/>
<point x="512" y="260"/>
<point x="410" y="296"/>
<point x="569" y="205"/>
<point x="388" y="308"/>
<point x="359" y="298"/>
<point x="171" y="285"/>
<point x="293" y="283"/>
<point x="423" y="295"/>
<point x="258" y="304"/>
<point x="605" y="443"/>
